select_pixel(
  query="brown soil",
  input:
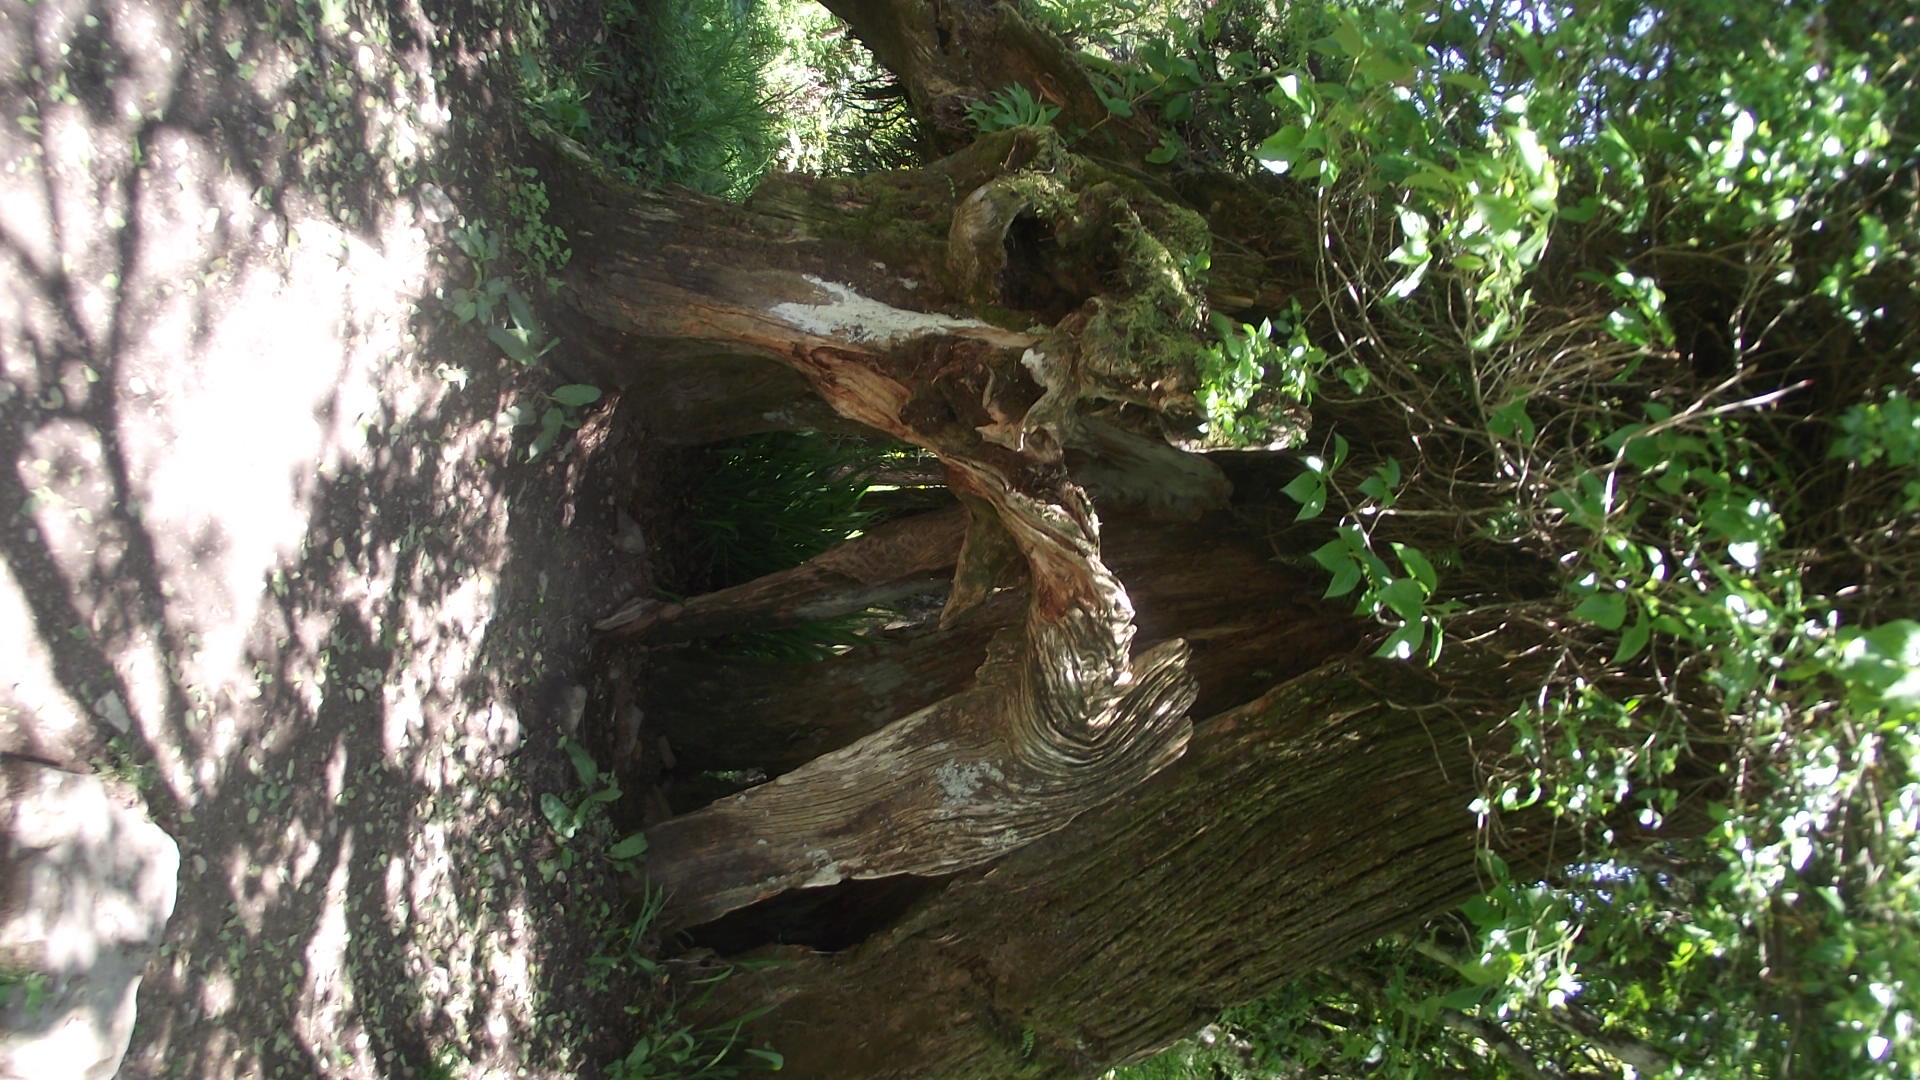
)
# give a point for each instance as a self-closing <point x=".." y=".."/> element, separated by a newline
<point x="273" y="556"/>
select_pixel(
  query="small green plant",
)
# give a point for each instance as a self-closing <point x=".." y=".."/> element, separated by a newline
<point x="569" y="819"/>
<point x="562" y="102"/>
<point x="30" y="986"/>
<point x="488" y="293"/>
<point x="475" y="302"/>
<point x="684" y="1052"/>
<point x="1255" y="380"/>
<point x="540" y="246"/>
<point x="446" y="1063"/>
<point x="121" y="763"/>
<point x="1011" y="107"/>
<point x="1402" y="598"/>
<point x="482" y="299"/>
<point x="558" y="415"/>
<point x="671" y="1049"/>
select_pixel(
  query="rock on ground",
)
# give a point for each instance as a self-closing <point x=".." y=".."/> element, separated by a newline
<point x="86" y="888"/>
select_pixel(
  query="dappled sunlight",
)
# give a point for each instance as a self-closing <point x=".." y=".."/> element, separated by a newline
<point x="259" y="550"/>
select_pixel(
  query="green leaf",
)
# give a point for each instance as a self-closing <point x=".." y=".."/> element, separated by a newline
<point x="1347" y="37"/>
<point x="1633" y="640"/>
<point x="1404" y="597"/>
<point x="1310" y="491"/>
<point x="1333" y="555"/>
<point x="631" y="848"/>
<point x="522" y="312"/>
<point x="1882" y="665"/>
<point x="1511" y="421"/>
<point x="543" y="441"/>
<point x="558" y="813"/>
<point x="1283" y="146"/>
<point x="576" y="394"/>
<point x="583" y="763"/>
<point x="1380" y="68"/>
<point x="514" y="343"/>
<point x="1606" y="610"/>
<point x="1168" y="149"/>
<point x="1417" y="565"/>
<point x="1345" y="577"/>
<point x="1403" y="643"/>
<point x="1465" y="998"/>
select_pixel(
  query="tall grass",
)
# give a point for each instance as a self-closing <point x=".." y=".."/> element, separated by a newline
<point x="773" y="501"/>
<point x="673" y="93"/>
<point x="770" y="502"/>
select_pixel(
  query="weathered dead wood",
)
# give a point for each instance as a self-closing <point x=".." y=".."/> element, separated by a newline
<point x="955" y="785"/>
<point x="1336" y="802"/>
<point x="1247" y="620"/>
<point x="892" y="561"/>
<point x="1062" y="718"/>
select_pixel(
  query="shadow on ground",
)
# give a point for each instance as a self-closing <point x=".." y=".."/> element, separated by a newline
<point x="271" y="556"/>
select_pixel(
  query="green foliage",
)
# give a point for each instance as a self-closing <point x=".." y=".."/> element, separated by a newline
<point x="771" y="502"/>
<point x="671" y="1049"/>
<point x="670" y="94"/>
<point x="539" y="247"/>
<point x="1622" y="285"/>
<point x="684" y="1052"/>
<point x="1011" y="107"/>
<point x="492" y="301"/>
<point x="559" y="415"/>
<point x="574" y="819"/>
<point x="122" y="762"/>
<point x="1199" y="69"/>
<point x="1252" y="376"/>
<point x="836" y="109"/>
<point x="26" y="990"/>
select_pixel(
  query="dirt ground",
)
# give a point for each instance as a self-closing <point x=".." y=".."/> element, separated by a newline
<point x="274" y="557"/>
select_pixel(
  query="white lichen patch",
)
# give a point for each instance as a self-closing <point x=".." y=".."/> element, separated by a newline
<point x="851" y="317"/>
<point x="961" y="780"/>
<point x="826" y="870"/>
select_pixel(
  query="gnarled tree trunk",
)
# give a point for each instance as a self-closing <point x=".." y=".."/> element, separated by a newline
<point x="1076" y="872"/>
<point x="1297" y="828"/>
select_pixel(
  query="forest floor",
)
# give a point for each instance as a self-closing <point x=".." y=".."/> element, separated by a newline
<point x="276" y="558"/>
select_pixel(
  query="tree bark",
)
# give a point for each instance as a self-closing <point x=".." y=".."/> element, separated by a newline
<point x="1248" y="620"/>
<point x="951" y="55"/>
<point x="1297" y="828"/>
<point x="1064" y="714"/>
<point x="1095" y="894"/>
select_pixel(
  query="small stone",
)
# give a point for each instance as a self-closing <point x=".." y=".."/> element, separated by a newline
<point x="110" y="708"/>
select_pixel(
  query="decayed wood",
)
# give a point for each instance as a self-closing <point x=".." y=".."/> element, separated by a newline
<point x="775" y="716"/>
<point x="1247" y="620"/>
<point x="1336" y="804"/>
<point x="952" y="786"/>
<point x="894" y="560"/>
<point x="1062" y="717"/>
